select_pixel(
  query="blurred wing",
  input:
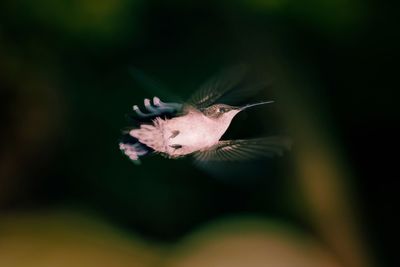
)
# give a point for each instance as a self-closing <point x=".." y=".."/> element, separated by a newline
<point x="215" y="89"/>
<point x="239" y="150"/>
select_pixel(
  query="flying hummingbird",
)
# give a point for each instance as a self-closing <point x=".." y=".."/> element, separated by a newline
<point x="194" y="128"/>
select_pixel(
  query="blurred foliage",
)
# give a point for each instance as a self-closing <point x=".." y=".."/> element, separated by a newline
<point x="87" y="20"/>
<point x="67" y="77"/>
<point x="66" y="238"/>
<point x="331" y="16"/>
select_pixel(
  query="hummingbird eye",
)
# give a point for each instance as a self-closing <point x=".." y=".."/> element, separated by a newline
<point x="222" y="110"/>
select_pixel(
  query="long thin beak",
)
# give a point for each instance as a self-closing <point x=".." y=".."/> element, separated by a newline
<point x="255" y="104"/>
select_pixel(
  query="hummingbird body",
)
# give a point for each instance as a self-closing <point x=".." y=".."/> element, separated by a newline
<point x="182" y="135"/>
<point x="195" y="128"/>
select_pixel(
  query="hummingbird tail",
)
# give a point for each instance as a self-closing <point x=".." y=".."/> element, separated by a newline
<point x="155" y="109"/>
<point x="132" y="148"/>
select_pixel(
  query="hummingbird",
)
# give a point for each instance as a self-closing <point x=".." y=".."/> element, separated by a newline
<point x="195" y="127"/>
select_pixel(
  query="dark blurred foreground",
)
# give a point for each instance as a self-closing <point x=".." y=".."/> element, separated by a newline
<point x="70" y="70"/>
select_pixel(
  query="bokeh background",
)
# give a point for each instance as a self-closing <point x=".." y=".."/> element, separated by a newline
<point x="70" y="70"/>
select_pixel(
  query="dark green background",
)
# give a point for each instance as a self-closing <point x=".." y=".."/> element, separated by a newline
<point x="66" y="82"/>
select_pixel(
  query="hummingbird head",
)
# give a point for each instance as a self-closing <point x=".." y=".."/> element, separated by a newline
<point x="225" y="113"/>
